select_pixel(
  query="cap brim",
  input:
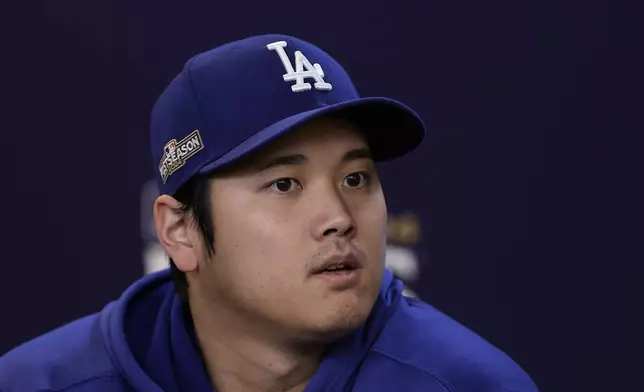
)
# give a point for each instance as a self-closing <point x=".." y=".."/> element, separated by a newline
<point x="391" y="128"/>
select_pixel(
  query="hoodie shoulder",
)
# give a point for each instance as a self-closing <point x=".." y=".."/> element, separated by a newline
<point x="71" y="358"/>
<point x="436" y="350"/>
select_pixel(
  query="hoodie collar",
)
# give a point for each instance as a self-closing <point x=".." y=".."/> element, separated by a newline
<point x="163" y="355"/>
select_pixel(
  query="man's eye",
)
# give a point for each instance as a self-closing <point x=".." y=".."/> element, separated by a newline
<point x="283" y="185"/>
<point x="356" y="180"/>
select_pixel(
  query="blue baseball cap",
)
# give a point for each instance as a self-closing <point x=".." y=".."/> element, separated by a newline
<point x="234" y="99"/>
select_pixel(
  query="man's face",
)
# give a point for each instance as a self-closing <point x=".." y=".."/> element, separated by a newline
<point x="310" y="200"/>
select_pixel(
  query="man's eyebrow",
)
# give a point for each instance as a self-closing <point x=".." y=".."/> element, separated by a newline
<point x="357" y="154"/>
<point x="284" y="160"/>
<point x="298" y="159"/>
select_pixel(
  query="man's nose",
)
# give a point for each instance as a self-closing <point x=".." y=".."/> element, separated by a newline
<point x="332" y="216"/>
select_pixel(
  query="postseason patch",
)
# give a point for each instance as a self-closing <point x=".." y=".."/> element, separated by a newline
<point x="176" y="153"/>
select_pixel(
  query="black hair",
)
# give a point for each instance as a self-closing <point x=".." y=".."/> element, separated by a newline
<point x="194" y="199"/>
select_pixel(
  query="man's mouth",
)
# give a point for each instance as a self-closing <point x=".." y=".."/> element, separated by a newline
<point x="336" y="269"/>
<point x="338" y="265"/>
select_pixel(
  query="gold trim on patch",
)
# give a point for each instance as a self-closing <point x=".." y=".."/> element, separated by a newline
<point x="176" y="153"/>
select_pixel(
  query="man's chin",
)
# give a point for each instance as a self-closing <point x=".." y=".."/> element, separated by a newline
<point x="336" y="327"/>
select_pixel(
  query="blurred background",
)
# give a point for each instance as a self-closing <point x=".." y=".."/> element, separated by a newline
<point x="521" y="216"/>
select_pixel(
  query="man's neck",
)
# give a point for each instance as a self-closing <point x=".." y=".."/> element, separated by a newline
<point x="240" y="359"/>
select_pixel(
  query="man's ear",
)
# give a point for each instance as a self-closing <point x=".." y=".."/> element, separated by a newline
<point x="173" y="231"/>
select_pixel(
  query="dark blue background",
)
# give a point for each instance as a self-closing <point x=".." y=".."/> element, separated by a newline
<point x="529" y="188"/>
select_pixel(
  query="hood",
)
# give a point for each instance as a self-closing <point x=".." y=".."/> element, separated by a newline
<point x="150" y="338"/>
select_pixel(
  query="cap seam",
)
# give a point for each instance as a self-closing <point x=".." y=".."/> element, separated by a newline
<point x="192" y="91"/>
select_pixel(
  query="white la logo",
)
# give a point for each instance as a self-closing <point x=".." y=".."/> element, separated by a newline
<point x="298" y="74"/>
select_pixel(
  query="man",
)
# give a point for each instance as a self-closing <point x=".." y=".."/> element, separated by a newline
<point x="274" y="220"/>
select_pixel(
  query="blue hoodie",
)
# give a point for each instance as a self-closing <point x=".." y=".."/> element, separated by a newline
<point x="145" y="342"/>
